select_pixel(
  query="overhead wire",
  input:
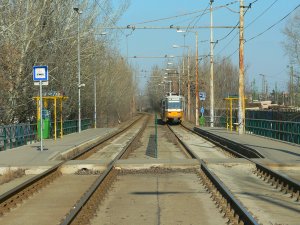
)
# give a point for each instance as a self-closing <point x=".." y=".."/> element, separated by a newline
<point x="269" y="28"/>
<point x="97" y="2"/>
<point x="197" y="19"/>
<point x="183" y="14"/>
<point x="260" y="15"/>
<point x="273" y="25"/>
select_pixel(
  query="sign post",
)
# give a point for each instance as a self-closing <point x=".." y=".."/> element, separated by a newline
<point x="40" y="75"/>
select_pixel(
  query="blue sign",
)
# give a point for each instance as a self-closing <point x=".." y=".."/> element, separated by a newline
<point x="40" y="73"/>
<point x="202" y="110"/>
<point x="202" y="96"/>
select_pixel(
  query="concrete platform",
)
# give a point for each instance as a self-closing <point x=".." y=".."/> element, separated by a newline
<point x="138" y="164"/>
<point x="274" y="150"/>
<point x="31" y="156"/>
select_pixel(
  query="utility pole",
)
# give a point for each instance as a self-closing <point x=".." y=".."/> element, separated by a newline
<point x="189" y="87"/>
<point x="95" y="101"/>
<point x="78" y="56"/>
<point x="179" y="81"/>
<point x="291" y="86"/>
<point x="297" y="91"/>
<point x="197" y="91"/>
<point x="241" y="105"/>
<point x="276" y="93"/>
<point x="211" y="68"/>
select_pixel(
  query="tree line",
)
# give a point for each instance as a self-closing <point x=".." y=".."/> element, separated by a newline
<point x="45" y="33"/>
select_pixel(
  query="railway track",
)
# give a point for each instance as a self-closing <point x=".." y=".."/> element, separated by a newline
<point x="18" y="195"/>
<point x="278" y="180"/>
<point x="232" y="209"/>
<point x="182" y="185"/>
<point x="289" y="197"/>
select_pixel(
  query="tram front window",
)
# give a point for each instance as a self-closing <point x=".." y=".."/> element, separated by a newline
<point x="174" y="105"/>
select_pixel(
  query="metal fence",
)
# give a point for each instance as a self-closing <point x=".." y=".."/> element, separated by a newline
<point x="281" y="130"/>
<point x="15" y="135"/>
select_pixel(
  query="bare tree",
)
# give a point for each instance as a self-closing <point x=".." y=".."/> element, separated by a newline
<point x="45" y="33"/>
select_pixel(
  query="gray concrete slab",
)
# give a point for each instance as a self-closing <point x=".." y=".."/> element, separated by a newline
<point x="29" y="155"/>
<point x="277" y="151"/>
<point x="136" y="164"/>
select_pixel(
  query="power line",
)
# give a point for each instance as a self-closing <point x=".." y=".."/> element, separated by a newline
<point x="246" y="25"/>
<point x="269" y="28"/>
<point x="260" y="15"/>
<point x="112" y="22"/>
<point x="196" y="18"/>
<point x="237" y="24"/>
<point x="184" y="14"/>
<point x="170" y="17"/>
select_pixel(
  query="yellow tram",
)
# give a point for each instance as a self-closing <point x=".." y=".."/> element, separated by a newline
<point x="172" y="108"/>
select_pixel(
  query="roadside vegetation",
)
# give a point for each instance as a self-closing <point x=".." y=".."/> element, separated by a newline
<point x="45" y="33"/>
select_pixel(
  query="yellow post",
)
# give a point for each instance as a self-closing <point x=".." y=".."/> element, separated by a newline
<point x="230" y="103"/>
<point x="227" y="125"/>
<point x="61" y="119"/>
<point x="55" y="119"/>
<point x="37" y="108"/>
<point x="244" y="115"/>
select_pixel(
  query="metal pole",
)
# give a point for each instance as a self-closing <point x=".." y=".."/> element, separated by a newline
<point x="241" y="108"/>
<point x="79" y="82"/>
<point x="179" y="81"/>
<point x="197" y="94"/>
<point x="189" y="87"/>
<point x="95" y="102"/>
<point x="292" y="86"/>
<point x="55" y="124"/>
<point x="211" y="69"/>
<point x="41" y="115"/>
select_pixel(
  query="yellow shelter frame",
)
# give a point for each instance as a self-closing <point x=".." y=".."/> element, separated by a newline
<point x="54" y="99"/>
<point x="230" y="99"/>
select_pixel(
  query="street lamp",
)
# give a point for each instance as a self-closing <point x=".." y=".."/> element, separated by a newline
<point x="78" y="55"/>
<point x="196" y="76"/>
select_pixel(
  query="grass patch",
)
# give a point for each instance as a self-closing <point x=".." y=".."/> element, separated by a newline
<point x="10" y="175"/>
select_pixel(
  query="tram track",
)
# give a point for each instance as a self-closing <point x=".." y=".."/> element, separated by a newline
<point x="287" y="186"/>
<point x="84" y="211"/>
<point x="130" y="175"/>
<point x="278" y="180"/>
<point x="22" y="192"/>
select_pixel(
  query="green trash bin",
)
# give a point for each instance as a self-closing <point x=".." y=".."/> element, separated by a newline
<point x="46" y="125"/>
<point x="202" y="121"/>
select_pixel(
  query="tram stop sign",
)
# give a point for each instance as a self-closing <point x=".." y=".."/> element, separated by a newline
<point x="40" y="73"/>
<point x="202" y="96"/>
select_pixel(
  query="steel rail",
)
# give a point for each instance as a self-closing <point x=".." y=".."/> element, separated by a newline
<point x="85" y="198"/>
<point x="222" y="142"/>
<point x="285" y="183"/>
<point x="243" y="213"/>
<point x="114" y="134"/>
<point x="8" y="197"/>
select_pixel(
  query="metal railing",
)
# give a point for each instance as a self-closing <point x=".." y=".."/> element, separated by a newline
<point x="12" y="136"/>
<point x="15" y="135"/>
<point x="281" y="130"/>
